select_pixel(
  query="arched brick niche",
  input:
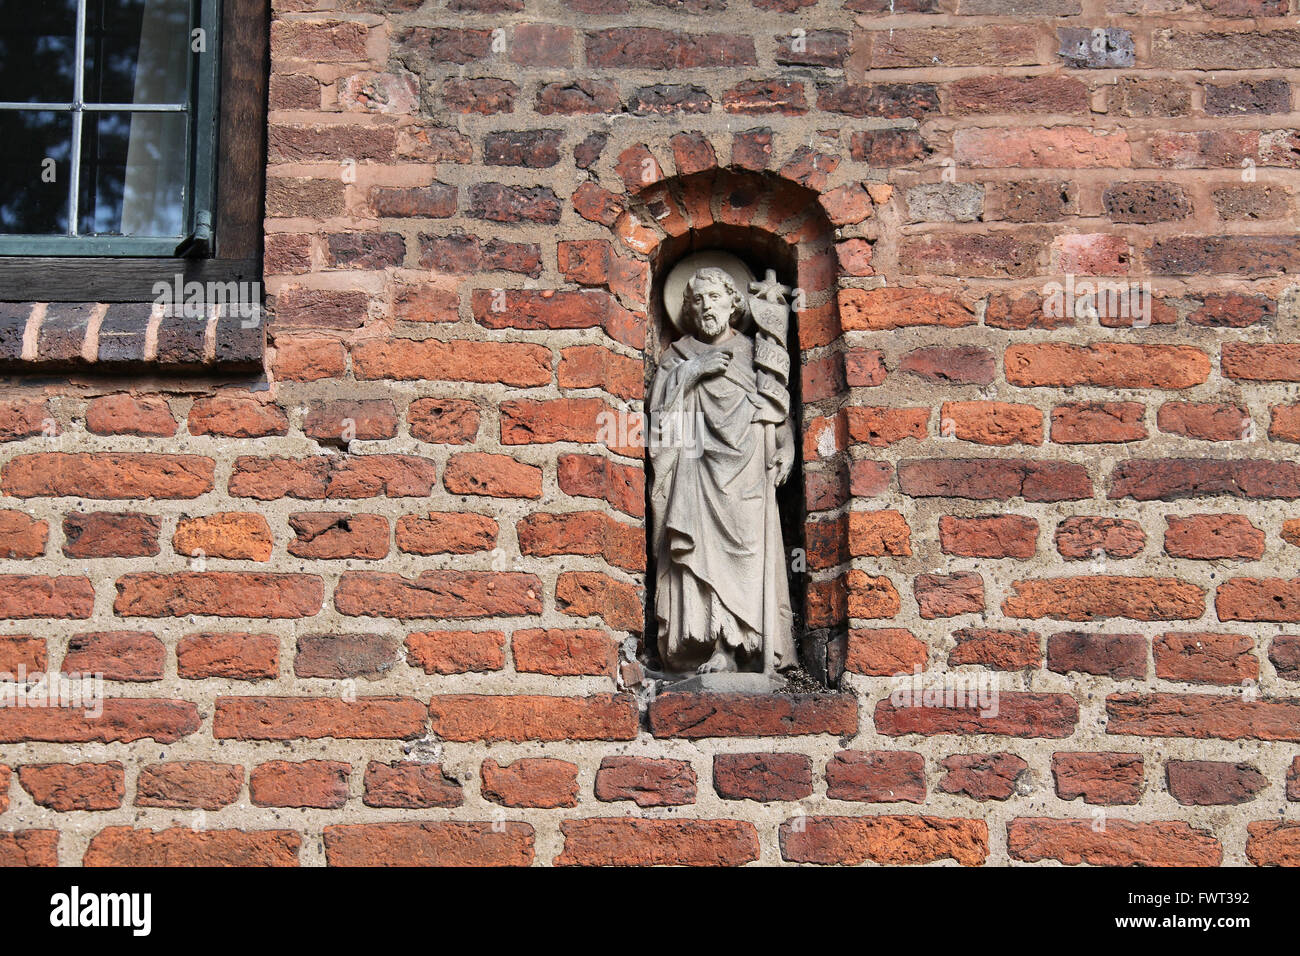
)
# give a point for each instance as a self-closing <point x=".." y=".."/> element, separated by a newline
<point x="785" y="219"/>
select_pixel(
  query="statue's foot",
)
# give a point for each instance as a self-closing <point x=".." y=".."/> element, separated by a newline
<point x="720" y="662"/>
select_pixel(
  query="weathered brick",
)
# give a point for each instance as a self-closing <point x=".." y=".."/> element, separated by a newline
<point x="885" y="839"/>
<point x="541" y="782"/>
<point x="445" y="843"/>
<point x="634" y="842"/>
<point x="1123" y="843"/>
<point x="648" y="782"/>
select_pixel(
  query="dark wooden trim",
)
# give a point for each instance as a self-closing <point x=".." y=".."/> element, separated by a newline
<point x="241" y="147"/>
<point x="81" y="279"/>
<point x="241" y="172"/>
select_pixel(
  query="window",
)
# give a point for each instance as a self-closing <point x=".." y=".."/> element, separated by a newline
<point x="134" y="138"/>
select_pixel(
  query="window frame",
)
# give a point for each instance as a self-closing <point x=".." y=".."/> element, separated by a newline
<point x="228" y="248"/>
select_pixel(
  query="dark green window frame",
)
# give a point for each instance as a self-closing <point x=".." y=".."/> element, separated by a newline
<point x="224" y="241"/>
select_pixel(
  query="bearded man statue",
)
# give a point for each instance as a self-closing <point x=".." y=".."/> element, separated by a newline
<point x="720" y="444"/>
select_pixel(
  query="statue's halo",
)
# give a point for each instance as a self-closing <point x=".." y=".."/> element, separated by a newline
<point x="680" y="274"/>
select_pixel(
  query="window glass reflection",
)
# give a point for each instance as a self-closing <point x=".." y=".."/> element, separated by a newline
<point x="137" y="51"/>
<point x="38" y="40"/>
<point x="133" y="172"/>
<point x="35" y="171"/>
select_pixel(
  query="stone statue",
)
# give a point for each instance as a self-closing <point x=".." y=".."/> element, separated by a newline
<point x="720" y="444"/>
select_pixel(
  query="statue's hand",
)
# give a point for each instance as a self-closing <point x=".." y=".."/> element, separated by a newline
<point x="714" y="363"/>
<point x="783" y="463"/>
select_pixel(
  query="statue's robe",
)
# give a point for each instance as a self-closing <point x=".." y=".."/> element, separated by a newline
<point x="721" y="573"/>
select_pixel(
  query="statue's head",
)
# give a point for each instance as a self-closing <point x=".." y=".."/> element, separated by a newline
<point x="710" y="303"/>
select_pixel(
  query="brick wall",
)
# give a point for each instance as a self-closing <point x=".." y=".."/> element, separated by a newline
<point x="382" y="606"/>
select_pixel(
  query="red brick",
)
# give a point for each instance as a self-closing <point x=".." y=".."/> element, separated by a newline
<point x="292" y="718"/>
<point x="371" y="420"/>
<point x="20" y="418"/>
<point x="632" y="842"/>
<point x="583" y="532"/>
<point x="308" y="783"/>
<point x="991" y="423"/>
<point x="1170" y="478"/>
<point x="107" y="475"/>
<point x="763" y="777"/>
<point x="1203" y="716"/>
<point x="1106" y="364"/>
<point x="443" y="420"/>
<point x="509" y="363"/>
<point x="1204" y="421"/>
<point x="180" y="846"/>
<point x="563" y="653"/>
<point x="884" y="652"/>
<point x="83" y="786"/>
<point x="233" y="656"/>
<point x="303" y="359"/>
<point x="1018" y="714"/>
<point x="1105" y="595"/>
<point x="472" y="717"/>
<point x="1205" y="658"/>
<point x="123" y="720"/>
<point x="437" y="594"/>
<point x="1006" y="536"/>
<point x="126" y="414"/>
<point x="219" y="594"/>
<point x="1083" y="537"/>
<point x="1213" y="537"/>
<point x="189" y="785"/>
<point x="646" y="781"/>
<point x="334" y="535"/>
<point x="1120" y="843"/>
<point x="879" y="776"/>
<point x="1208" y="783"/>
<point x="592" y="594"/>
<point x="29" y="848"/>
<point x="1117" y="656"/>
<point x="117" y="655"/>
<point x="895" y="308"/>
<point x="235" y="417"/>
<point x="996" y="649"/>
<point x="333" y="476"/>
<point x="1110" y="779"/>
<point x="35" y="595"/>
<point x="950" y="365"/>
<point x="22" y="650"/>
<point x="1261" y="362"/>
<point x="948" y="595"/>
<point x="1258" y="599"/>
<point x="983" y="777"/>
<point x="1083" y="423"/>
<point x="541" y="782"/>
<point x="993" y="479"/>
<point x="444" y="843"/>
<point x="233" y="534"/>
<point x="593" y="366"/>
<point x="885" y="839"/>
<point x="404" y="785"/>
<point x="1070" y="147"/>
<point x="442" y="532"/>
<point x="337" y="656"/>
<point x="1273" y="843"/>
<point x="694" y="716"/>
<point x="456" y="652"/>
<point x="22" y="536"/>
